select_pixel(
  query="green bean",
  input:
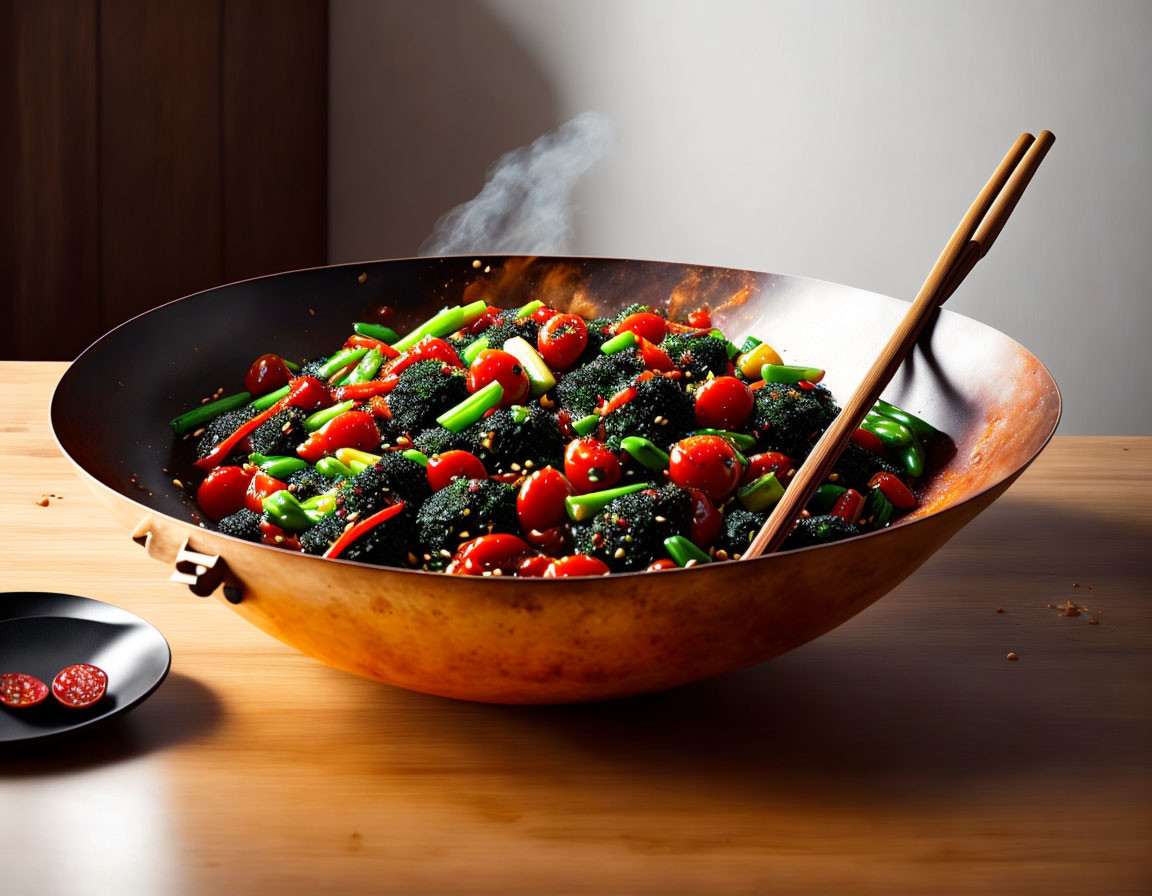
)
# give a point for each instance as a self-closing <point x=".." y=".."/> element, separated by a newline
<point x="333" y="468"/>
<point x="418" y="456"/>
<point x="914" y="423"/>
<point x="586" y="425"/>
<point x="472" y="408"/>
<point x="525" y="310"/>
<point x="786" y="373"/>
<point x="377" y="331"/>
<point x="684" y="552"/>
<point x="315" y="421"/>
<point x="368" y="367"/>
<point x="266" y="401"/>
<point x="340" y="360"/>
<point x="279" y="466"/>
<point x="739" y="440"/>
<point x="283" y="509"/>
<point x="617" y="343"/>
<point x="645" y="453"/>
<point x="912" y="457"/>
<point x="197" y="417"/>
<point x="584" y="507"/>
<point x="469" y="354"/>
<point x="877" y="509"/>
<point x="825" y="497"/>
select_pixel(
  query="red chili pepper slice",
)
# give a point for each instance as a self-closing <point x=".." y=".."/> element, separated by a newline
<point x="307" y="392"/>
<point x="496" y="554"/>
<point x="363" y="390"/>
<point x="378" y="405"/>
<point x="848" y="506"/>
<point x="869" y="441"/>
<point x="358" y="341"/>
<point x="351" y="534"/>
<point x="654" y="357"/>
<point x="80" y="686"/>
<point x="894" y="490"/>
<point x="260" y="486"/>
<point x="620" y="399"/>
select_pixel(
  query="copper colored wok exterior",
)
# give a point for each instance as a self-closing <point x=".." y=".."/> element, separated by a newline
<point x="532" y="640"/>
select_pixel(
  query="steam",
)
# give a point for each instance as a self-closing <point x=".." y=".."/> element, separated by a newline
<point x="525" y="206"/>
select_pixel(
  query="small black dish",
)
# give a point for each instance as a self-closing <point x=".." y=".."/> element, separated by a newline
<point x="42" y="633"/>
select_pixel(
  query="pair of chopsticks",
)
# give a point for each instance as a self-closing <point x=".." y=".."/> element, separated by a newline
<point x="973" y="238"/>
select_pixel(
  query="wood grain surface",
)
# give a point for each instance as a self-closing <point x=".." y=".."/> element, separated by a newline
<point x="900" y="753"/>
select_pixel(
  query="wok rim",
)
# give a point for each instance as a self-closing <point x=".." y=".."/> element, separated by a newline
<point x="1000" y="482"/>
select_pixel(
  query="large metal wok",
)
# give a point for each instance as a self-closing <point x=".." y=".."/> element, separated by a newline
<point x="533" y="640"/>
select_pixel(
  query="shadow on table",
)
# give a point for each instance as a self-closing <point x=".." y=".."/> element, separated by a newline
<point x="181" y="710"/>
<point x="914" y="697"/>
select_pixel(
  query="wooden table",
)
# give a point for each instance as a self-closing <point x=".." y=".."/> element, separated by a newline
<point x="901" y="753"/>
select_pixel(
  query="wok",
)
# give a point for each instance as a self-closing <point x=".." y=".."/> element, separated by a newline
<point x="533" y="640"/>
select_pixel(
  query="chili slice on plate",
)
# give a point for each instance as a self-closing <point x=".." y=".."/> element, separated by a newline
<point x="80" y="686"/>
<point x="20" y="691"/>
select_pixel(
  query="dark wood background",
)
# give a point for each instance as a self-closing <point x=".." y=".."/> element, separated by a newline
<point x="152" y="148"/>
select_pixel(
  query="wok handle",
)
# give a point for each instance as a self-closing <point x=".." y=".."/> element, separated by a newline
<point x="202" y="573"/>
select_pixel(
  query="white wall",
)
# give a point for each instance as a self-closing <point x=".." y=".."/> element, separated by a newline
<point x="839" y="140"/>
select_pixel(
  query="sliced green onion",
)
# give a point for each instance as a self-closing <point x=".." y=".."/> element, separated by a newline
<point x="295" y="368"/>
<point x="367" y="368"/>
<point x="377" y="331"/>
<point x="266" y="401"/>
<point x="645" y="453"/>
<point x="539" y="374"/>
<point x="519" y="413"/>
<point x="584" y="507"/>
<point x="197" y="417"/>
<point x="469" y="354"/>
<point x="443" y="323"/>
<point x="525" y="310"/>
<point x="315" y="421"/>
<point x="824" y="498"/>
<point x="283" y="509"/>
<point x="586" y="425"/>
<point x="472" y="408"/>
<point x="739" y="440"/>
<point x="914" y="423"/>
<point x="761" y="494"/>
<point x="913" y="458"/>
<point x="418" y="456"/>
<point x="785" y="373"/>
<point x="279" y="466"/>
<point x="750" y="343"/>
<point x="358" y="460"/>
<point x="624" y="340"/>
<point x="683" y="551"/>
<point x="333" y="468"/>
<point x="340" y="360"/>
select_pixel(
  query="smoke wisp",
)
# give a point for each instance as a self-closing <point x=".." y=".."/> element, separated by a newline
<point x="525" y="206"/>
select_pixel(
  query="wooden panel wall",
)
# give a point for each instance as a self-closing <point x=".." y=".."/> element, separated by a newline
<point x="153" y="148"/>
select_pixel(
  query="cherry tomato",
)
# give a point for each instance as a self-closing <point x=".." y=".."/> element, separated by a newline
<point x="352" y="429"/>
<point x="543" y="314"/>
<point x="260" y="486"/>
<point x="706" y="520"/>
<point x="222" y="491"/>
<point x="504" y="368"/>
<point x="533" y="567"/>
<point x="377" y="314"/>
<point x="848" y="506"/>
<point x="540" y="504"/>
<point x="308" y="394"/>
<point x="662" y="563"/>
<point x="555" y="541"/>
<point x="723" y="403"/>
<point x="700" y="319"/>
<point x="267" y="374"/>
<point x="590" y="466"/>
<point x="705" y="462"/>
<point x="894" y="490"/>
<point x="769" y="462"/>
<point x="576" y="565"/>
<point x="443" y="468"/>
<point x="562" y="339"/>
<point x="644" y="324"/>
<point x="488" y="553"/>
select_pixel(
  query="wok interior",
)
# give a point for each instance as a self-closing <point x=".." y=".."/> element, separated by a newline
<point x="110" y="411"/>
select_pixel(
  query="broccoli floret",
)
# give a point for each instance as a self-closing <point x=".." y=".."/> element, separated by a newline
<point x="385" y="544"/>
<point x="319" y="538"/>
<point x="629" y="532"/>
<point x="697" y="356"/>
<point x="739" y="528"/>
<point x="528" y="435"/>
<point x="241" y="524"/>
<point x="581" y="388"/>
<point x="857" y="466"/>
<point x="424" y="392"/>
<point x="465" y="509"/>
<point x="312" y="368"/>
<point x="393" y="477"/>
<point x="636" y="308"/>
<point x="815" y="530"/>
<point x="219" y="428"/>
<point x="281" y="434"/>
<point x="790" y="418"/>
<point x="599" y="332"/>
<point x="308" y="483"/>
<point x="501" y="331"/>
<point x="661" y="412"/>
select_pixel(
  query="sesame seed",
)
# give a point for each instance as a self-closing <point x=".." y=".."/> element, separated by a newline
<point x="514" y="467"/>
<point x="278" y="539"/>
<point x="178" y="483"/>
<point x="427" y="556"/>
<point x="497" y="572"/>
<point x="476" y="263"/>
<point x="660" y="519"/>
<point x="467" y="511"/>
<point x="486" y="573"/>
<point x="528" y="465"/>
<point x="628" y="538"/>
<point x="619" y="553"/>
<point x="736" y="556"/>
<point x="199" y="432"/>
<point x="363" y="278"/>
<point x="721" y="554"/>
<point x="832" y="477"/>
<point x="691" y="563"/>
<point x="412" y="558"/>
<point x="464" y="534"/>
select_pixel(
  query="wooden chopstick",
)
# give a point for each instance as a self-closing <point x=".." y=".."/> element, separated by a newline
<point x="969" y="243"/>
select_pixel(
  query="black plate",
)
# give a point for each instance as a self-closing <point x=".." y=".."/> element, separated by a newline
<point x="42" y="633"/>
